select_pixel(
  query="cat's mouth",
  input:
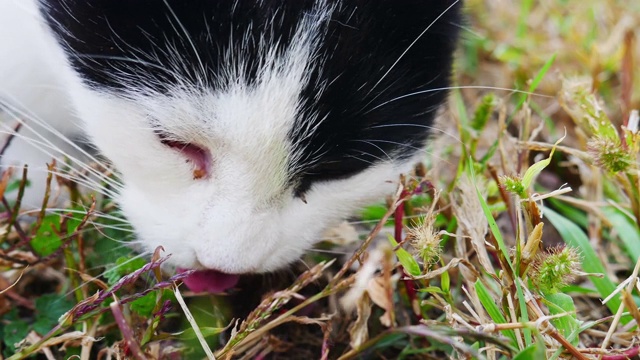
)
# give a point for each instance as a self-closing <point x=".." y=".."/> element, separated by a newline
<point x="210" y="281"/>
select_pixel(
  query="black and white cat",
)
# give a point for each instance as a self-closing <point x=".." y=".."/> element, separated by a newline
<point x="241" y="129"/>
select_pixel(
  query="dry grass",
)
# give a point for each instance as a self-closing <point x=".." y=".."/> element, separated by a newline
<point x="506" y="247"/>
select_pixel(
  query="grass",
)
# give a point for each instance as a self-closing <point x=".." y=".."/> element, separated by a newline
<point x="520" y="239"/>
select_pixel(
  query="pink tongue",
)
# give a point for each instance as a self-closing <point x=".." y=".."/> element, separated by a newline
<point x="210" y="281"/>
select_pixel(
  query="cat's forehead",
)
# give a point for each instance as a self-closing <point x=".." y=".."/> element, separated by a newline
<point x="173" y="41"/>
<point x="363" y="78"/>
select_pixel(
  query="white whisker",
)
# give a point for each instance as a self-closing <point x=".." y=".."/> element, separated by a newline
<point x="376" y="146"/>
<point x="331" y="252"/>
<point x="459" y="87"/>
<point x="413" y="43"/>
<point x="46" y="147"/>
<point x="96" y="214"/>
<point x="416" y="149"/>
<point x="433" y="128"/>
<point x="19" y="115"/>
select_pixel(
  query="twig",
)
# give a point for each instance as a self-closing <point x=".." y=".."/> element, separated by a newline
<point x="16" y="207"/>
<point x="125" y="329"/>
<point x="12" y="135"/>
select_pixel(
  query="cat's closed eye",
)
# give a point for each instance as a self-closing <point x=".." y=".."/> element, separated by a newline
<point x="198" y="156"/>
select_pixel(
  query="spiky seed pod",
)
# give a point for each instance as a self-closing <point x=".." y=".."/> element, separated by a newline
<point x="425" y="241"/>
<point x="513" y="184"/>
<point x="609" y="154"/>
<point x="556" y="268"/>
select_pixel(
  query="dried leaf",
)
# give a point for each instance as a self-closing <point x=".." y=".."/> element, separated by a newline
<point x="378" y="293"/>
<point x="358" y="331"/>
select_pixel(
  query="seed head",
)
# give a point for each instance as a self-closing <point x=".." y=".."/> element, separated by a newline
<point x="514" y="185"/>
<point x="425" y="241"/>
<point x="609" y="154"/>
<point x="556" y="268"/>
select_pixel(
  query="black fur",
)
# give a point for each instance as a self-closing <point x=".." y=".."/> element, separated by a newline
<point x="365" y="120"/>
<point x="360" y="86"/>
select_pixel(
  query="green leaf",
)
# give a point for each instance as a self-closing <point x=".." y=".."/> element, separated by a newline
<point x="492" y="309"/>
<point x="560" y="303"/>
<point x="535" y="82"/>
<point x="525" y="15"/>
<point x="43" y="325"/>
<point x="15" y="185"/>
<point x="46" y="240"/>
<point x="432" y="289"/>
<point x="626" y="229"/>
<point x="536" y="168"/>
<point x="420" y="200"/>
<point x="575" y="237"/>
<point x="75" y="219"/>
<point x="445" y="281"/>
<point x="408" y="262"/>
<point x="49" y="309"/>
<point x="374" y="213"/>
<point x="390" y="340"/>
<point x="112" y="276"/>
<point x="540" y="75"/>
<point x="572" y="213"/>
<point x="535" y="351"/>
<point x="578" y="289"/>
<point x="461" y="108"/>
<point x="507" y="53"/>
<point x="106" y="251"/>
<point x="489" y="154"/>
<point x="144" y="306"/>
<point x="14" y="332"/>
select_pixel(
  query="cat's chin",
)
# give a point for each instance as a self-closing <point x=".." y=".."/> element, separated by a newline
<point x="210" y="281"/>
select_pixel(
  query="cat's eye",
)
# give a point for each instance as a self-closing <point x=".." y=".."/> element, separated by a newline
<point x="199" y="157"/>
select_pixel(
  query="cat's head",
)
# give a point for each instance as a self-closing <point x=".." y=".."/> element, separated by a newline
<point x="243" y="129"/>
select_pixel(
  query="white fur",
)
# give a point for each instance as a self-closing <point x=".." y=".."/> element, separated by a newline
<point x="242" y="218"/>
<point x="33" y="93"/>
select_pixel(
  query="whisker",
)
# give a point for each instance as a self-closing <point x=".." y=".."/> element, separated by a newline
<point x="375" y="221"/>
<point x="127" y="241"/>
<point x="363" y="160"/>
<point x="85" y="182"/>
<point x="433" y="128"/>
<point x="411" y="45"/>
<point x="331" y="252"/>
<point x="19" y="114"/>
<point x="417" y="149"/>
<point x="515" y="91"/>
<point x="97" y="214"/>
<point x="45" y="146"/>
<point x="376" y="146"/>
